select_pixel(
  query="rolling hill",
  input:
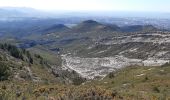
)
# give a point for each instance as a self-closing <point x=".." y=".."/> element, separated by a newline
<point x="139" y="28"/>
<point x="90" y="60"/>
<point x="90" y="25"/>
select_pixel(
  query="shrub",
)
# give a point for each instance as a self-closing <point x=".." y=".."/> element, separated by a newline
<point x="156" y="89"/>
<point x="30" y="60"/>
<point x="38" y="56"/>
<point x="146" y="78"/>
<point x="166" y="64"/>
<point x="3" y="95"/>
<point x="4" y="71"/>
<point x="15" y="52"/>
<point x="111" y="75"/>
<point x="78" y="80"/>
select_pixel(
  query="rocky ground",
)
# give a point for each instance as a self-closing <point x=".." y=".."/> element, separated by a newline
<point x="110" y="54"/>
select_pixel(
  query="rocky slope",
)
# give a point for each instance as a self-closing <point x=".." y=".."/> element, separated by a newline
<point x="59" y="61"/>
<point x="92" y="68"/>
<point x="22" y="65"/>
<point x="92" y="43"/>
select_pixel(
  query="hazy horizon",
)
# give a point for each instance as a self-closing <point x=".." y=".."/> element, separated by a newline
<point x="92" y="5"/>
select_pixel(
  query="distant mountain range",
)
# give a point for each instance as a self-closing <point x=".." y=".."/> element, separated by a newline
<point x="135" y="28"/>
<point x="42" y="57"/>
<point x="22" y="12"/>
<point x="94" y="26"/>
<point x="27" y="17"/>
<point x="91" y="25"/>
<point x="36" y="27"/>
<point x="56" y="28"/>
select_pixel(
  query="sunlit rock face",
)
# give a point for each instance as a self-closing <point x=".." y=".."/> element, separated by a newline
<point x="91" y="68"/>
<point x="110" y="54"/>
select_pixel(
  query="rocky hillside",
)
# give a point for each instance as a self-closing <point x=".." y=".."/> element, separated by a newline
<point x="138" y="83"/>
<point x="93" y="52"/>
<point x="88" y="61"/>
<point x="109" y="54"/>
<point x="22" y="65"/>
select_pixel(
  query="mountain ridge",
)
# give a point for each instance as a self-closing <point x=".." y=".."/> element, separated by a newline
<point x="56" y="28"/>
<point x="91" y="25"/>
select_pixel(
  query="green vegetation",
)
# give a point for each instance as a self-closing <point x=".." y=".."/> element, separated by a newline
<point x="21" y="64"/>
<point x="131" y="83"/>
<point x="4" y="71"/>
<point x="13" y="50"/>
<point x="78" y="80"/>
<point x="30" y="79"/>
<point x="20" y="53"/>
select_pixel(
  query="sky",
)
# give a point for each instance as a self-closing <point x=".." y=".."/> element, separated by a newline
<point x="92" y="5"/>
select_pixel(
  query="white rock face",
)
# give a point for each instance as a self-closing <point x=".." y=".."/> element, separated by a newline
<point x="152" y="49"/>
<point x="100" y="67"/>
<point x="149" y="37"/>
<point x="93" y="67"/>
<point x="156" y="62"/>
